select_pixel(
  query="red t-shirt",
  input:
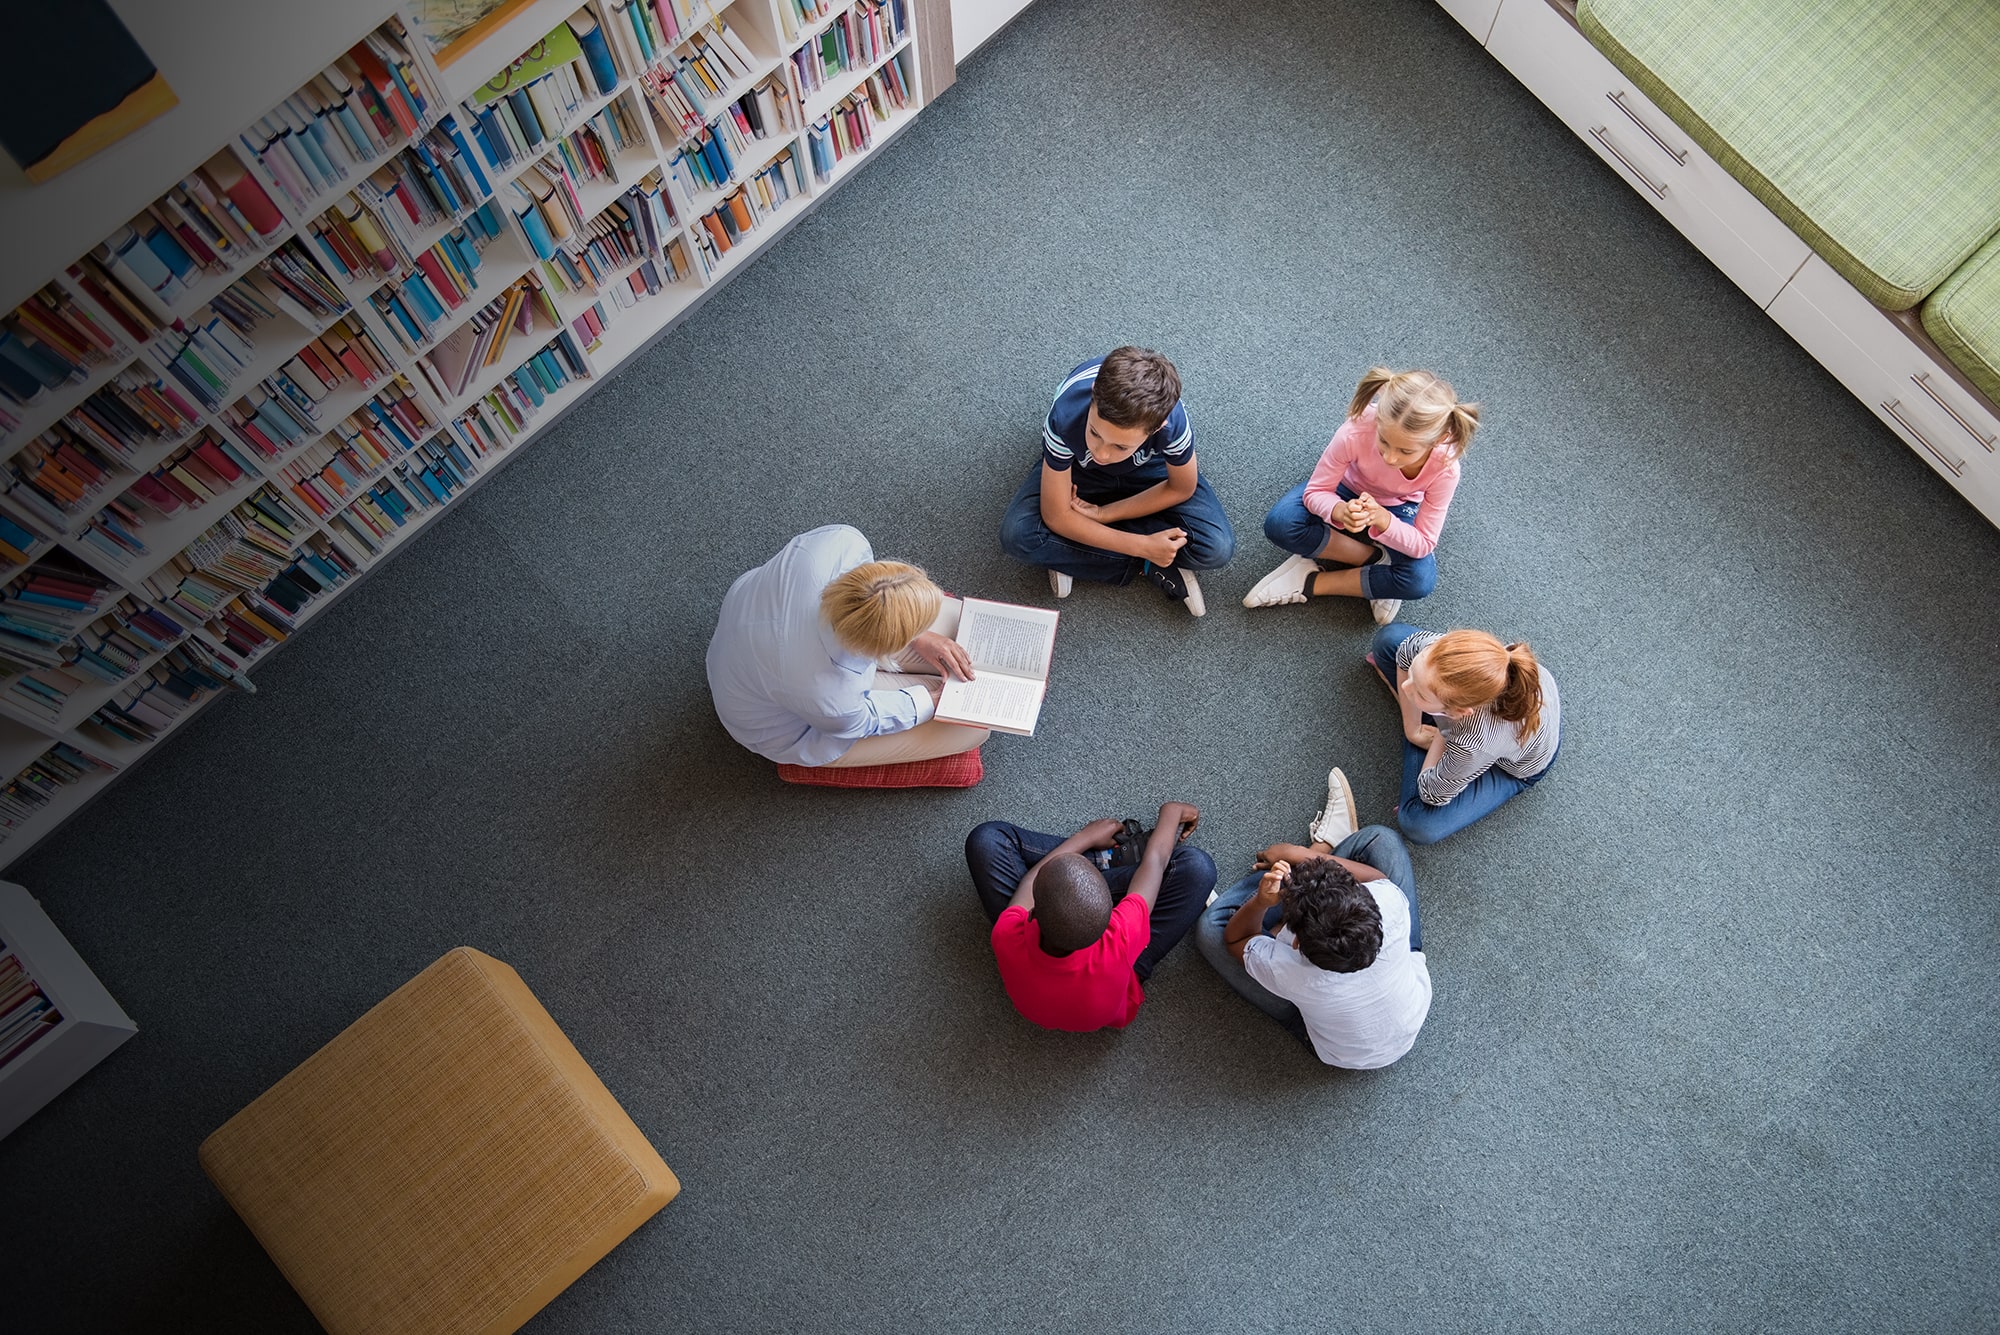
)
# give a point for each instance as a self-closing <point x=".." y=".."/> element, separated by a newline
<point x="1087" y="989"/>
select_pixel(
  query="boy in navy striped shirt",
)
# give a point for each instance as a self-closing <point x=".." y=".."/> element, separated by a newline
<point x="1117" y="493"/>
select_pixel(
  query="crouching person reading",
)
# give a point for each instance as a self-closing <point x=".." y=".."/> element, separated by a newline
<point x="1076" y="943"/>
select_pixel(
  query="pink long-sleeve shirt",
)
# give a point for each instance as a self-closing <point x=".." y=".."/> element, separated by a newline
<point x="1351" y="458"/>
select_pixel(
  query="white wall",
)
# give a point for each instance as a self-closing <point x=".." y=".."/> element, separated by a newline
<point x="229" y="62"/>
<point x="973" y="21"/>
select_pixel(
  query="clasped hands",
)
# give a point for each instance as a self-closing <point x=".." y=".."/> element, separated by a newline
<point x="1160" y="548"/>
<point x="1363" y="512"/>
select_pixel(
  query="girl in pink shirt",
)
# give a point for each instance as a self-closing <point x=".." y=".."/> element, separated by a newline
<point x="1366" y="523"/>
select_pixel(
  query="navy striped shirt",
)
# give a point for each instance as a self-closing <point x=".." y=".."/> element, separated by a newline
<point x="1064" y="445"/>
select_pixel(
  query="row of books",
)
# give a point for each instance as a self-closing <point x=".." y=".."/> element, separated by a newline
<point x="850" y="127"/>
<point x="799" y="15"/>
<point x="43" y="608"/>
<point x="647" y="209"/>
<point x="26" y="1012"/>
<point x="436" y="471"/>
<point x="482" y="340"/>
<point x="502" y="415"/>
<point x="191" y="673"/>
<point x="433" y="289"/>
<point x="51" y="340"/>
<point x="204" y="470"/>
<point x="56" y="477"/>
<point x="135" y="411"/>
<point x="591" y="152"/>
<point x="237" y="554"/>
<point x="289" y="405"/>
<point x="691" y="89"/>
<point x="767" y="190"/>
<point x="19" y="544"/>
<point x="112" y="649"/>
<point x="329" y="475"/>
<point x="209" y="350"/>
<point x="642" y="32"/>
<point x="34" y="787"/>
<point x="856" y="40"/>
<point x="712" y="159"/>
<point x="214" y="222"/>
<point x="646" y="279"/>
<point x="351" y="114"/>
<point x="366" y="247"/>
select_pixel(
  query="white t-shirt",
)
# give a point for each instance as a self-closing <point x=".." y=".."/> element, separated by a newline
<point x="1358" y="1020"/>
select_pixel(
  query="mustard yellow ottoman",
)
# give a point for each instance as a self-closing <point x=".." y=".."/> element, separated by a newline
<point x="447" y="1164"/>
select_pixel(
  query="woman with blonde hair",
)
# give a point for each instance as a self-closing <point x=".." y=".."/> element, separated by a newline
<point x="1481" y="724"/>
<point x="825" y="656"/>
<point x="1366" y="523"/>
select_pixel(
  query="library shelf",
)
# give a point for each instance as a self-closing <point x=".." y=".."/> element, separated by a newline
<point x="79" y="706"/>
<point x="59" y="403"/>
<point x="824" y="98"/>
<point x="92" y="1024"/>
<point x="769" y="29"/>
<point x="884" y="132"/>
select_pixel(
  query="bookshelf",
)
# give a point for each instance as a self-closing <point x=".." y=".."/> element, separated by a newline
<point x="288" y="337"/>
<point x="56" y="1019"/>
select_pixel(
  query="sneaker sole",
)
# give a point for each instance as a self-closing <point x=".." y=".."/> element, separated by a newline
<point x="1258" y="597"/>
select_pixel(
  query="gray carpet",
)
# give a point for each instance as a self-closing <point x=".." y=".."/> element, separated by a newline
<point x="1711" y="1046"/>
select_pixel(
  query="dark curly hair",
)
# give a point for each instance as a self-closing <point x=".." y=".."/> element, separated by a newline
<point x="1072" y="904"/>
<point x="1334" y="916"/>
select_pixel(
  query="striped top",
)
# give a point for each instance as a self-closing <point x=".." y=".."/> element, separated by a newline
<point x="1479" y="741"/>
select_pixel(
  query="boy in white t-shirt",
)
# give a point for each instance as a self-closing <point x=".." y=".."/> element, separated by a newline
<point x="1325" y="940"/>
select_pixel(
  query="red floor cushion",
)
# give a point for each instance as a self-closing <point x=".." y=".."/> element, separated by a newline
<point x="959" y="771"/>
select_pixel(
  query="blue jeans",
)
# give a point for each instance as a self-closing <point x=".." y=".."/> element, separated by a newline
<point x="1299" y="531"/>
<point x="999" y="855"/>
<point x="1026" y="537"/>
<point x="1421" y="822"/>
<point x="1374" y="845"/>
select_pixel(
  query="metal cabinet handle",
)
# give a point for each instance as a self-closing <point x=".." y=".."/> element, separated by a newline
<point x="1679" y="155"/>
<point x="1597" y="133"/>
<point x="1923" y="382"/>
<point x="1957" y="468"/>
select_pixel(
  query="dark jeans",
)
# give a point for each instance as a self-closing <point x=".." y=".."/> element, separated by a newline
<point x="1000" y="854"/>
<point x="1299" y="531"/>
<point x="1375" y="845"/>
<point x="1421" y="822"/>
<point x="1026" y="537"/>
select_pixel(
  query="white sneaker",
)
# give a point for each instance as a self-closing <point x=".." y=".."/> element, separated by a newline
<point x="1194" y="603"/>
<point x="1286" y="584"/>
<point x="1338" y="819"/>
<point x="1060" y="584"/>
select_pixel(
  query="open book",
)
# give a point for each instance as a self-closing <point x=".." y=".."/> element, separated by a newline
<point x="1009" y="646"/>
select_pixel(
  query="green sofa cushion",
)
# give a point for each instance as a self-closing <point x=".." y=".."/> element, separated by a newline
<point x="1869" y="126"/>
<point x="1964" y="317"/>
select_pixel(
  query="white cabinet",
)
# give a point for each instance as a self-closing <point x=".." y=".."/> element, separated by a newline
<point x="1542" y="49"/>
<point x="1476" y="16"/>
<point x="1881" y="365"/>
<point x="91" y="1026"/>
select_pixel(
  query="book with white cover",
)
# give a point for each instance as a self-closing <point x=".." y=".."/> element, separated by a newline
<point x="1010" y="646"/>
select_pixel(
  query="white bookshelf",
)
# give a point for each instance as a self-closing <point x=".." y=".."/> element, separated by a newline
<point x="230" y="85"/>
<point x="91" y="1025"/>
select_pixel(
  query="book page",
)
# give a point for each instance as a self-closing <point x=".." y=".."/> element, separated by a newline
<point x="1004" y="638"/>
<point x="1008" y="703"/>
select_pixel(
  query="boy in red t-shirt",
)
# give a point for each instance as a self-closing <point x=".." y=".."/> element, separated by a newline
<point x="1074" y="943"/>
